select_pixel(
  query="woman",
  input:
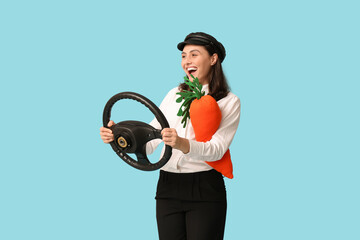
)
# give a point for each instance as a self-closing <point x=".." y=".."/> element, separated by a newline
<point x="191" y="197"/>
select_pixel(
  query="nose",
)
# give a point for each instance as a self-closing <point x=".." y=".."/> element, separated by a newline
<point x="187" y="60"/>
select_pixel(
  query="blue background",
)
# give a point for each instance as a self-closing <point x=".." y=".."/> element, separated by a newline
<point x="294" y="65"/>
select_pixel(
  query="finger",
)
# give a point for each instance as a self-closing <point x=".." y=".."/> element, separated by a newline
<point x="166" y="135"/>
<point x="111" y="123"/>
<point x="104" y="129"/>
<point x="168" y="140"/>
<point x="106" y="136"/>
<point x="107" y="139"/>
<point x="167" y="131"/>
<point x="171" y="132"/>
<point x="171" y="144"/>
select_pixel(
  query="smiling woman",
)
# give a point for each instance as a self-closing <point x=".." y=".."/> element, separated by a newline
<point x="201" y="61"/>
<point x="191" y="197"/>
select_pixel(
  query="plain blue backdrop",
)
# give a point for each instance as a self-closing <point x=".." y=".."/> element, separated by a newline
<point x="294" y="65"/>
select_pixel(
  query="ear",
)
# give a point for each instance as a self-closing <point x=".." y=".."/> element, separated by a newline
<point x="213" y="59"/>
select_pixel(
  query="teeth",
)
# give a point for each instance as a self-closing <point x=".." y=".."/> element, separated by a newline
<point x="190" y="69"/>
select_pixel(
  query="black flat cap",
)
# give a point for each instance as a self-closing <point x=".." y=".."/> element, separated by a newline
<point x="203" y="39"/>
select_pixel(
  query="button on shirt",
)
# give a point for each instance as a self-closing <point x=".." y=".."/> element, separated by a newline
<point x="194" y="160"/>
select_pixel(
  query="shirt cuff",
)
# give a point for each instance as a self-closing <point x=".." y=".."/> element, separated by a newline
<point x="195" y="148"/>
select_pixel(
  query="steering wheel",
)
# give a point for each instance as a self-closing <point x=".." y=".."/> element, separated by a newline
<point x="132" y="136"/>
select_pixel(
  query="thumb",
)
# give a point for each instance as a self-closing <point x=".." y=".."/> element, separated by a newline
<point x="111" y="122"/>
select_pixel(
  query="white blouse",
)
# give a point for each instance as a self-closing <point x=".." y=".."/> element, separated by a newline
<point x="194" y="160"/>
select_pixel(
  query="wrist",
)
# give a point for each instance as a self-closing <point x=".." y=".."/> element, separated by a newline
<point x="185" y="145"/>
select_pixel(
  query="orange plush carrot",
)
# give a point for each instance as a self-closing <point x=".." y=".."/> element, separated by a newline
<point x="205" y="116"/>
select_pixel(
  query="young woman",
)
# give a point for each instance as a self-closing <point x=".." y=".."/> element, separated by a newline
<point x="191" y="197"/>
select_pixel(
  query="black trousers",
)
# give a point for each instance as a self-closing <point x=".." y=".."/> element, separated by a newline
<point x="191" y="206"/>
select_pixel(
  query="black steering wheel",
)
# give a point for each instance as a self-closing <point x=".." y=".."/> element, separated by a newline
<point x="132" y="136"/>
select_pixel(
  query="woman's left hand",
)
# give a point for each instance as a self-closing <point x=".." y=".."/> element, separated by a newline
<point x="171" y="138"/>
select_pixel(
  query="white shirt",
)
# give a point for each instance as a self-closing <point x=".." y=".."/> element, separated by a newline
<point x="194" y="160"/>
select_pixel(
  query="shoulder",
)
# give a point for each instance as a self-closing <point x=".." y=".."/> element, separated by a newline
<point x="170" y="97"/>
<point x="172" y="93"/>
<point x="231" y="98"/>
<point x="230" y="106"/>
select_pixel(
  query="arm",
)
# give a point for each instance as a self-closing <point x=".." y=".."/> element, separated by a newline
<point x="171" y="138"/>
<point x="152" y="145"/>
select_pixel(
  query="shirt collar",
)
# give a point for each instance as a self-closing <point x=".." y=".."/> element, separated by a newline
<point x="205" y="88"/>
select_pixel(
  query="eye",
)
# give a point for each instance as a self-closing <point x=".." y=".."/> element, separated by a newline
<point x="183" y="56"/>
<point x="194" y="55"/>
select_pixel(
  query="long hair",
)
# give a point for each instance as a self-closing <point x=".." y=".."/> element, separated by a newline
<point x="218" y="86"/>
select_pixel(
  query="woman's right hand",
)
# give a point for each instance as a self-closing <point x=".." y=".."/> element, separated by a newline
<point x="106" y="134"/>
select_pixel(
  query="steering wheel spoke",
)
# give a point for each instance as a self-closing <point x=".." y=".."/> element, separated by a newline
<point x="142" y="158"/>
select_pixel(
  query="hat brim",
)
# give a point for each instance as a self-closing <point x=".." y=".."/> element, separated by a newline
<point x="181" y="45"/>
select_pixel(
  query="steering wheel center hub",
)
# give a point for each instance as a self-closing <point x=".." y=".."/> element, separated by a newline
<point x="122" y="142"/>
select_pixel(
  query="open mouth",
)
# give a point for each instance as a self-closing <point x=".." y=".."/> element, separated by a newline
<point x="191" y="70"/>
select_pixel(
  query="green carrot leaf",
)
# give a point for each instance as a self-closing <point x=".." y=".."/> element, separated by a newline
<point x="179" y="99"/>
<point x="187" y="97"/>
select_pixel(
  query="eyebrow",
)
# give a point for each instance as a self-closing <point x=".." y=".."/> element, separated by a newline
<point x="191" y="51"/>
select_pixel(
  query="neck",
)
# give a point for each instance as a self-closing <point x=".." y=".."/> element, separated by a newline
<point x="204" y="81"/>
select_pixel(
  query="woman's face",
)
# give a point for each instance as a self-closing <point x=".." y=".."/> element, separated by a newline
<point x="197" y="61"/>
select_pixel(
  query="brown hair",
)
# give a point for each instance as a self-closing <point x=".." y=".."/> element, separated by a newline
<point x="218" y="86"/>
